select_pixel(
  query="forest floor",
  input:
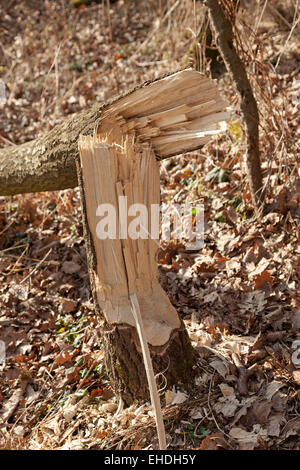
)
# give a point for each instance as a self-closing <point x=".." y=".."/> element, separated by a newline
<point x="238" y="296"/>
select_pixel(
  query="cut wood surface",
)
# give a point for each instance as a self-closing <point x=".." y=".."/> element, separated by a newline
<point x="181" y="123"/>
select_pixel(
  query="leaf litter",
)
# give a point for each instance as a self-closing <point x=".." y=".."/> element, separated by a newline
<point x="238" y="296"/>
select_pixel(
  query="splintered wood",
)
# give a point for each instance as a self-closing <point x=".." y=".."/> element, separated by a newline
<point x="119" y="169"/>
<point x="122" y="176"/>
<point x="176" y="114"/>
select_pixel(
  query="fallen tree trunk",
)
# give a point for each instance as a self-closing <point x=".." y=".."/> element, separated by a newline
<point x="48" y="162"/>
<point x="119" y="176"/>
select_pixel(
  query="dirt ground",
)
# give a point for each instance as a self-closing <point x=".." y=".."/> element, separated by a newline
<point x="238" y="296"/>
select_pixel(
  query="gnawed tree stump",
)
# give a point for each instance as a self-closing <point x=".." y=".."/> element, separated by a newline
<point x="119" y="179"/>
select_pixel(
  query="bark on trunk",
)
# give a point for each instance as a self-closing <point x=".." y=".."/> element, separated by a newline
<point x="224" y="41"/>
<point x="46" y="163"/>
<point x="124" y="361"/>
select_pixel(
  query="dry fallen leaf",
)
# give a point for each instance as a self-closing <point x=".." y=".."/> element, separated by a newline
<point x="239" y="253"/>
<point x="63" y="357"/>
<point x="208" y="443"/>
<point x="70" y="267"/>
<point x="273" y="388"/>
<point x="274" y="424"/>
<point x="174" y="398"/>
<point x="296" y="354"/>
<point x="220" y="366"/>
<point x="248" y="438"/>
<point x="196" y="414"/>
<point x="70" y="412"/>
<point x="68" y="305"/>
<point x="215" y="441"/>
<point x="292" y="428"/>
<point x="19" y="291"/>
<point x="264" y="278"/>
<point x="296" y="376"/>
<point x="228" y="404"/>
<point x="11" y="404"/>
<point x="109" y="407"/>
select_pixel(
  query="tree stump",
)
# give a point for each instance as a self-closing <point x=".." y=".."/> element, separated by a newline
<point x="120" y="184"/>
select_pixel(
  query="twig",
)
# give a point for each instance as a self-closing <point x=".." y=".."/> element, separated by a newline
<point x="7" y="141"/>
<point x="109" y="20"/>
<point x="7" y="227"/>
<point x="244" y="374"/>
<point x="94" y="362"/>
<point x="217" y="353"/>
<point x="13" y="248"/>
<point x="55" y="263"/>
<point x="234" y="64"/>
<point x="36" y="267"/>
<point x="149" y="372"/>
<point x="210" y="408"/>
<point x="276" y="12"/>
<point x="18" y="261"/>
<point x="260" y="18"/>
<point x="295" y="23"/>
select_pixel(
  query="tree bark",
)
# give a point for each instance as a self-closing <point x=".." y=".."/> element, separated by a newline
<point x="203" y="51"/>
<point x="224" y="41"/>
<point x="46" y="163"/>
<point x="124" y="361"/>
